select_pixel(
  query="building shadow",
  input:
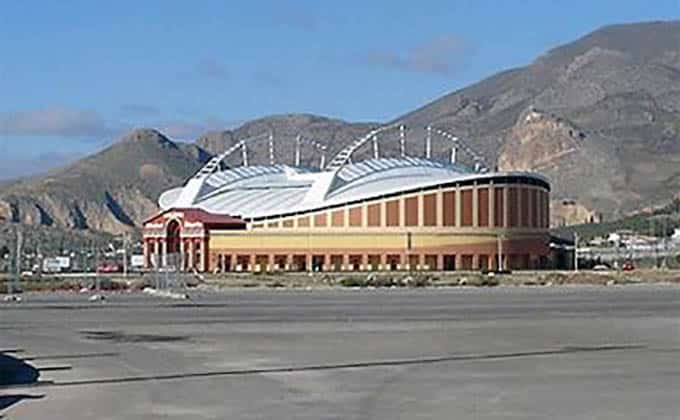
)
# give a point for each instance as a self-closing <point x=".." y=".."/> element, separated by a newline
<point x="7" y="401"/>
<point x="14" y="371"/>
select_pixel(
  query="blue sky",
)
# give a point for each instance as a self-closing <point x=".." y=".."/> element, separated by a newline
<point x="75" y="75"/>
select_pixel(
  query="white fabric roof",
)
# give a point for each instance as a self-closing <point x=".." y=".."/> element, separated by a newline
<point x="264" y="191"/>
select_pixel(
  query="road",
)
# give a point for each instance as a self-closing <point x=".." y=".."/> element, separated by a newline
<point x="526" y="353"/>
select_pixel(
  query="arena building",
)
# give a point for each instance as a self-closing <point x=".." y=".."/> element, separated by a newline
<point x="379" y="214"/>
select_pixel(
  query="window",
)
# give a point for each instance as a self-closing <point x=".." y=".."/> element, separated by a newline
<point x="535" y="209"/>
<point x="392" y="209"/>
<point x="411" y="209"/>
<point x="280" y="262"/>
<point x="525" y="207"/>
<point x="261" y="262"/>
<point x="374" y="262"/>
<point x="318" y="262"/>
<point x="431" y="262"/>
<point x="449" y="198"/>
<point x="484" y="262"/>
<point x="499" y="207"/>
<point x="513" y="207"/>
<point x="242" y="262"/>
<point x="338" y="218"/>
<point x="466" y="262"/>
<point x="299" y="262"/>
<point x="355" y="262"/>
<point x="393" y="262"/>
<point x="466" y="201"/>
<point x="449" y="263"/>
<point x="413" y="261"/>
<point x="483" y="207"/>
<point x="320" y="220"/>
<point x="336" y="262"/>
<point x="355" y="215"/>
<point x="430" y="210"/>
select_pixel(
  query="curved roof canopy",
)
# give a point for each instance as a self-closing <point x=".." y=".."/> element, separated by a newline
<point x="269" y="191"/>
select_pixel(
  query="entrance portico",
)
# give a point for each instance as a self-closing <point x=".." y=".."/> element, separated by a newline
<point x="178" y="238"/>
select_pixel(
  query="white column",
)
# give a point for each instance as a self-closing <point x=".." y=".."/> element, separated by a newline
<point x="201" y="249"/>
<point x="191" y="254"/>
<point x="145" y="244"/>
<point x="181" y="254"/>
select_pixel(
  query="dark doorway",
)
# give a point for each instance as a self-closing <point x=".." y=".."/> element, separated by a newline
<point x="173" y="239"/>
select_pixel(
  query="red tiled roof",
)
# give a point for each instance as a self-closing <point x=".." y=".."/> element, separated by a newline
<point x="199" y="215"/>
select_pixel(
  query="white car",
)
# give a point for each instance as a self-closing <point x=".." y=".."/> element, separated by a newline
<point x="601" y="267"/>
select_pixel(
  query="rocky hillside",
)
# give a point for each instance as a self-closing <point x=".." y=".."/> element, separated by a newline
<point x="116" y="189"/>
<point x="333" y="134"/>
<point x="112" y="191"/>
<point x="600" y="116"/>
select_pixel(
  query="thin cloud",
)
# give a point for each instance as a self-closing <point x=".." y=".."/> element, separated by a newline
<point x="190" y="130"/>
<point x="268" y="78"/>
<point x="139" y="110"/>
<point x="442" y="55"/>
<point x="54" y="121"/>
<point x="211" y="68"/>
<point x="297" y="19"/>
<point x="11" y="168"/>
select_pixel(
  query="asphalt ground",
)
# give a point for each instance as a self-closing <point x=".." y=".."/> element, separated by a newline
<point x="483" y="353"/>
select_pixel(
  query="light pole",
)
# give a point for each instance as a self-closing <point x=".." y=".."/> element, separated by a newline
<point x="125" y="259"/>
<point x="576" y="251"/>
<point x="500" y="253"/>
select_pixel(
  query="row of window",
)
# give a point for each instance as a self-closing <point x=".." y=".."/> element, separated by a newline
<point x="371" y="262"/>
<point x="526" y="207"/>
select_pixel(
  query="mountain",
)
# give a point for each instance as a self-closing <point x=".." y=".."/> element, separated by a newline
<point x="599" y="116"/>
<point x="333" y="134"/>
<point x="112" y="191"/>
<point x="116" y="189"/>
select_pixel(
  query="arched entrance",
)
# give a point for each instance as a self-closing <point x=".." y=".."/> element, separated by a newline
<point x="172" y="237"/>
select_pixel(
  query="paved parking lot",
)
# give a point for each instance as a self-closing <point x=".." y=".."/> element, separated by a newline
<point x="537" y="353"/>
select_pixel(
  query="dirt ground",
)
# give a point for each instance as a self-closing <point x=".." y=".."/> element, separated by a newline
<point x="364" y="279"/>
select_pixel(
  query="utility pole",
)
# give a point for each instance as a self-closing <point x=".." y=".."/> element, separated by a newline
<point x="500" y="253"/>
<point x="40" y="260"/>
<point x="96" y="267"/>
<point x="125" y="259"/>
<point x="576" y="252"/>
<point x="652" y="229"/>
<point x="17" y="262"/>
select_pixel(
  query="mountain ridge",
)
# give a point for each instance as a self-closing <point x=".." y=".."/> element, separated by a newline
<point x="599" y="116"/>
